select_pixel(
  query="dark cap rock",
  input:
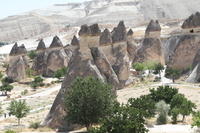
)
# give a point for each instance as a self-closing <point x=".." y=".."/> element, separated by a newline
<point x="130" y="32"/>
<point x="95" y="30"/>
<point x="106" y="37"/>
<point x="14" y="49"/>
<point x="153" y="26"/>
<point x="17" y="50"/>
<point x="41" y="45"/>
<point x="85" y="30"/>
<point x="192" y="22"/>
<point x="56" y="42"/>
<point x="119" y="33"/>
<point x="75" y="41"/>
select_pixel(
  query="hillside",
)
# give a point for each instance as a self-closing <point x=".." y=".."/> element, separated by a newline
<point x="59" y="16"/>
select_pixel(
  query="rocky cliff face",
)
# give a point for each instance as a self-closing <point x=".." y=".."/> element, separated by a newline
<point x="181" y="50"/>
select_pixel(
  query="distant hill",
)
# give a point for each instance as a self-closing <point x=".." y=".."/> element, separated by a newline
<point x="56" y="18"/>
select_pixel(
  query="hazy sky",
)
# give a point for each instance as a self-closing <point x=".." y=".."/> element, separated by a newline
<point x="12" y="7"/>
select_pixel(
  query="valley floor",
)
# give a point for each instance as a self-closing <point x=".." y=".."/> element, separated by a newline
<point x="42" y="99"/>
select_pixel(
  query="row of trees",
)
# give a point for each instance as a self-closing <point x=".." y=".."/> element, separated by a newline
<point x="90" y="101"/>
<point x="157" y="68"/>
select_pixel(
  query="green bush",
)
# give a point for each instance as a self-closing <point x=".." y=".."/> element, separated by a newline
<point x="32" y="54"/>
<point x="88" y="100"/>
<point x="162" y="109"/>
<point x="24" y="92"/>
<point x="139" y="66"/>
<point x="10" y="131"/>
<point x="60" y="73"/>
<point x="196" y="119"/>
<point x="7" y="80"/>
<point x="35" y="125"/>
<point x="38" y="82"/>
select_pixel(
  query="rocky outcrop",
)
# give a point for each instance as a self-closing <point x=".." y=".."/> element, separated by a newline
<point x="105" y="38"/>
<point x="192" y="22"/>
<point x="151" y="47"/>
<point x="56" y="42"/>
<point x="41" y="45"/>
<point x="180" y="51"/>
<point x="85" y="30"/>
<point x="52" y="59"/>
<point x="18" y="50"/>
<point x="75" y="42"/>
<point x="109" y="63"/>
<point x="153" y="30"/>
<point x="17" y="68"/>
<point x="131" y="45"/>
<point x="119" y="33"/>
<point x="97" y="66"/>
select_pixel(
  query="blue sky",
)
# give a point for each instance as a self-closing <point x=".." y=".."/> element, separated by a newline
<point x="12" y="7"/>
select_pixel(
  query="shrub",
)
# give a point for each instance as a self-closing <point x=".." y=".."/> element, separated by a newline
<point x="196" y="119"/>
<point x="7" y="80"/>
<point x="10" y="131"/>
<point x="88" y="100"/>
<point x="32" y="54"/>
<point x="139" y="66"/>
<point x="24" y="92"/>
<point x="60" y="73"/>
<point x="38" y="82"/>
<point x="35" y="125"/>
<point x="162" y="109"/>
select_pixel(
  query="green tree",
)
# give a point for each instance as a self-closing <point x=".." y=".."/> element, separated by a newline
<point x="172" y="73"/>
<point x="158" y="69"/>
<point x="162" y="109"/>
<point x="19" y="109"/>
<point x="60" y="73"/>
<point x="5" y="88"/>
<point x="88" y="100"/>
<point x="123" y="119"/>
<point x="181" y="105"/>
<point x="145" y="104"/>
<point x="164" y="93"/>
<point x="32" y="54"/>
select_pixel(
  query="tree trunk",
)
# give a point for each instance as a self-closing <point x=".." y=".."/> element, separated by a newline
<point x="18" y="122"/>
<point x="183" y="118"/>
